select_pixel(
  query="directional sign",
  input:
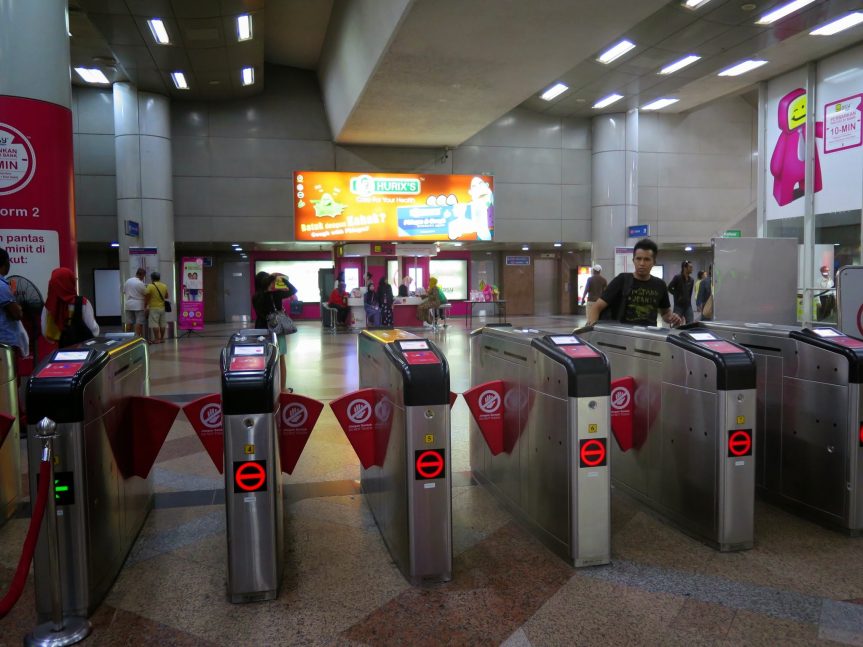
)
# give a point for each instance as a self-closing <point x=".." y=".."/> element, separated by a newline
<point x="638" y="231"/>
<point x="250" y="476"/>
<point x="592" y="452"/>
<point x="740" y="443"/>
<point x="429" y="464"/>
<point x="732" y="233"/>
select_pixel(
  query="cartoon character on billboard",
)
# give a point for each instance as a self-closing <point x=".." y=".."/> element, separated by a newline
<point x="481" y="207"/>
<point x="787" y="164"/>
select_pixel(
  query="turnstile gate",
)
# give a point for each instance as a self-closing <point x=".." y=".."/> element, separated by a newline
<point x="408" y="482"/>
<point x="10" y="448"/>
<point x="253" y="486"/>
<point x="809" y="445"/>
<point x="690" y="399"/>
<point x="553" y="470"/>
<point x="101" y="505"/>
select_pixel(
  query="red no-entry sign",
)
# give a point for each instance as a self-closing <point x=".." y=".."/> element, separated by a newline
<point x="250" y="476"/>
<point x="740" y="443"/>
<point x="593" y="452"/>
<point x="429" y="464"/>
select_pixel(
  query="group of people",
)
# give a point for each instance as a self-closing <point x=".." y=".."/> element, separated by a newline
<point x="638" y="297"/>
<point x="146" y="303"/>
<point x="378" y="301"/>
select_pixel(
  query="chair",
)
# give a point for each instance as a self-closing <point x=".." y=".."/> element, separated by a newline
<point x="440" y="314"/>
<point x="329" y="316"/>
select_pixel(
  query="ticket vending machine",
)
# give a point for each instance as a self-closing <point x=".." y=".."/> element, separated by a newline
<point x="10" y="454"/>
<point x="550" y="464"/>
<point x="809" y="446"/>
<point x="253" y="487"/>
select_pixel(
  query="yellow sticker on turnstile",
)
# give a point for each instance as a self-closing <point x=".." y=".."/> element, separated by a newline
<point x="592" y="429"/>
<point x="249" y="449"/>
<point x="741" y="420"/>
<point x="429" y="439"/>
<point x="56" y="459"/>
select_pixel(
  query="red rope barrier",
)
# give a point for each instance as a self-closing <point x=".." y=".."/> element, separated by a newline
<point x="20" y="578"/>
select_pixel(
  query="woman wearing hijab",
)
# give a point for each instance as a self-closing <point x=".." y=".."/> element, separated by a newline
<point x="385" y="301"/>
<point x="431" y="302"/>
<point x="67" y="318"/>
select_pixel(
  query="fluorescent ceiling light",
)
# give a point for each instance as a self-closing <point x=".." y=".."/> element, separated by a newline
<point x="558" y="244"/>
<point x="244" y="27"/>
<point x="554" y="91"/>
<point x="688" y="248"/>
<point x="607" y="101"/>
<point x="160" y="34"/>
<point x="659" y="104"/>
<point x="115" y="244"/>
<point x="846" y="22"/>
<point x="742" y="68"/>
<point x="180" y="80"/>
<point x="92" y="75"/>
<point x="524" y="248"/>
<point x="615" y="52"/>
<point x="238" y="249"/>
<point x="781" y="12"/>
<point x="694" y="4"/>
<point x="235" y="244"/>
<point x="248" y="75"/>
<point x="679" y="65"/>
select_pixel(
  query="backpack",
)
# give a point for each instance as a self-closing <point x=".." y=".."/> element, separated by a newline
<point x="615" y="311"/>
<point x="76" y="330"/>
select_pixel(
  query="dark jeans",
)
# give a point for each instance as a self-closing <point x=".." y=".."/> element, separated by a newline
<point x="343" y="312"/>
<point x="685" y="312"/>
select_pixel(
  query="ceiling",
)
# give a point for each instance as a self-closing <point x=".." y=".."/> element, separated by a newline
<point x="451" y="67"/>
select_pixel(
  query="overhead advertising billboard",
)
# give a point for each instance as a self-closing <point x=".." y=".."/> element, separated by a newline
<point x="392" y="206"/>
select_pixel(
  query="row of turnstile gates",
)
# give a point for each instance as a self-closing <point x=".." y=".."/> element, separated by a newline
<point x="688" y="421"/>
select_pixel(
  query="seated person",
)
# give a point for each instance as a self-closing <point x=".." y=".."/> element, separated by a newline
<point x="339" y="300"/>
<point x="372" y="308"/>
<point x="432" y="301"/>
<point x="405" y="287"/>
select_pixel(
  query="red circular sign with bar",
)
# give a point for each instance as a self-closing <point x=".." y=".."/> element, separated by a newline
<point x="430" y="464"/>
<point x="250" y="476"/>
<point x="740" y="443"/>
<point x="593" y="452"/>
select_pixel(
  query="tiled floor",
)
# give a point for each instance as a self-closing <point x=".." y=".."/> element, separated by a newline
<point x="800" y="585"/>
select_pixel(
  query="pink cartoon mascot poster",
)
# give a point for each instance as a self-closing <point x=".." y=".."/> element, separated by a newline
<point x="787" y="163"/>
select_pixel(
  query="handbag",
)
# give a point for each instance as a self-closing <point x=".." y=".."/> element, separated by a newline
<point x="165" y="301"/>
<point x="280" y="323"/>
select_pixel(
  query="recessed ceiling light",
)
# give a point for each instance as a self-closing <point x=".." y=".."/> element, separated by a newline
<point x="558" y="244"/>
<point x="780" y="12"/>
<point x="92" y="75"/>
<point x="248" y="75"/>
<point x="742" y="68"/>
<point x="679" y="65"/>
<point x="179" y="80"/>
<point x="694" y="4"/>
<point x="607" y="101"/>
<point x="524" y="248"/>
<point x="554" y="91"/>
<point x="659" y="104"/>
<point x="841" y="24"/>
<point x="615" y="51"/>
<point x="235" y="245"/>
<point x="238" y="249"/>
<point x="115" y="244"/>
<point x="160" y="34"/>
<point x="688" y="248"/>
<point x="244" y="27"/>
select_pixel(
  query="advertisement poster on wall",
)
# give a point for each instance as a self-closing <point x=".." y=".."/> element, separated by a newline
<point x="392" y="206"/>
<point x="838" y="172"/>
<point x="191" y="313"/>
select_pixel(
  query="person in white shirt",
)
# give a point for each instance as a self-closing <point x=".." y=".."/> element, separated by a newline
<point x="134" y="292"/>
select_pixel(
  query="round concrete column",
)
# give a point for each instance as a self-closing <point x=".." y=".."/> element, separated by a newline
<point x="614" y="191"/>
<point x="37" y="214"/>
<point x="142" y="143"/>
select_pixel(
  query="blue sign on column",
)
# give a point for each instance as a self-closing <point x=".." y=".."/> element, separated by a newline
<point x="132" y="228"/>
<point x="638" y="231"/>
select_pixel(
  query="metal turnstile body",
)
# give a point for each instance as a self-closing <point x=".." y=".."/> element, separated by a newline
<point x="694" y="414"/>
<point x="10" y="449"/>
<point x="556" y="407"/>
<point x="99" y="513"/>
<point x="411" y="504"/>
<point x="253" y="485"/>
<point x="810" y="418"/>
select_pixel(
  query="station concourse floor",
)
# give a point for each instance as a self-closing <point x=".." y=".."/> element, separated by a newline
<point x="800" y="585"/>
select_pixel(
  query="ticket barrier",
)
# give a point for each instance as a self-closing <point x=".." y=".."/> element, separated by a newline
<point x="683" y="416"/>
<point x="251" y="381"/>
<point x="10" y="454"/>
<point x="549" y="462"/>
<point x="399" y="425"/>
<point x="809" y="446"/>
<point x="109" y="433"/>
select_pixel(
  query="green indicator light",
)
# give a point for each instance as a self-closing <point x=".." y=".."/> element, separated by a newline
<point x="62" y="488"/>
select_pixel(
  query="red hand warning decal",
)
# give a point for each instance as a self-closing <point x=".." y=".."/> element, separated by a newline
<point x="366" y="416"/>
<point x="622" y="405"/>
<point x="485" y="402"/>
<point x="205" y="414"/>
<point x="297" y="417"/>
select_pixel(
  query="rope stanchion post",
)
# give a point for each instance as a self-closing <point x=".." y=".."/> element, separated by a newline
<point x="60" y="630"/>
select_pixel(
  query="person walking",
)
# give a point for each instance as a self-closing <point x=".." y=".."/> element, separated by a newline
<point x="156" y="294"/>
<point x="594" y="288"/>
<point x="135" y="295"/>
<point x="680" y="288"/>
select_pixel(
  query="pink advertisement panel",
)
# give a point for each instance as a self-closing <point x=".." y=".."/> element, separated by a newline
<point x="191" y="313"/>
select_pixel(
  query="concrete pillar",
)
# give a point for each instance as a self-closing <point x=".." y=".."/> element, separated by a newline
<point x="142" y="143"/>
<point x="614" y="190"/>
<point x="37" y="214"/>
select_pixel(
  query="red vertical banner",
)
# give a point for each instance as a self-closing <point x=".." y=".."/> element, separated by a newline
<point x="485" y="402"/>
<point x="622" y="404"/>
<point x="205" y="414"/>
<point x="37" y="202"/>
<point x="297" y="418"/>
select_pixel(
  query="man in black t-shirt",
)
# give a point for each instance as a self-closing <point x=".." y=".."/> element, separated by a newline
<point x="636" y="298"/>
